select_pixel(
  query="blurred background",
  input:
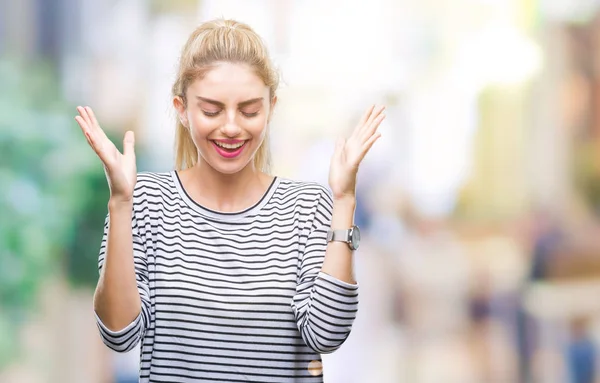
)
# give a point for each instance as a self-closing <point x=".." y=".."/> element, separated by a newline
<point x="480" y="204"/>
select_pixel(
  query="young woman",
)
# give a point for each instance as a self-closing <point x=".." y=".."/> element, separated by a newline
<point x="222" y="271"/>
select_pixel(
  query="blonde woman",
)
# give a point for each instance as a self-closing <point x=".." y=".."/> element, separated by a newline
<point x="221" y="270"/>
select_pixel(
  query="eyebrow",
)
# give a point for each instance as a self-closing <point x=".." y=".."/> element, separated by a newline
<point x="219" y="103"/>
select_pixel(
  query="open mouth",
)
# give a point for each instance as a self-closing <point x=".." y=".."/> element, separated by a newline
<point x="229" y="150"/>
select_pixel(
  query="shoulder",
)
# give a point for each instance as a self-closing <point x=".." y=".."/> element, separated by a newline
<point x="153" y="180"/>
<point x="151" y="185"/>
<point x="306" y="190"/>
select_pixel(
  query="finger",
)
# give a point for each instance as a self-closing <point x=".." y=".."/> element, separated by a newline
<point x="90" y="113"/>
<point x="339" y="147"/>
<point x="374" y="115"/>
<point x="96" y="126"/>
<point x="82" y="124"/>
<point x="83" y="127"/>
<point x="366" y="115"/>
<point x="83" y="113"/>
<point x="91" y="120"/>
<point x="91" y="139"/>
<point x="95" y="142"/>
<point x="338" y="158"/>
<point x="363" y="120"/>
<point x="87" y="132"/>
<point x="99" y="136"/>
<point x="370" y="129"/>
<point x="367" y="146"/>
<point x="129" y="144"/>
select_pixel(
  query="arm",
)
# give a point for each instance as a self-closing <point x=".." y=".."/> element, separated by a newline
<point x="121" y="300"/>
<point x="121" y="295"/>
<point x="116" y="300"/>
<point x="326" y="299"/>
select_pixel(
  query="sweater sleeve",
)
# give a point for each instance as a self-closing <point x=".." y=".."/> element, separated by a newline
<point x="127" y="338"/>
<point x="324" y="307"/>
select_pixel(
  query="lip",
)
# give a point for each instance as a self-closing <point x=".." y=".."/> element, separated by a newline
<point x="226" y="154"/>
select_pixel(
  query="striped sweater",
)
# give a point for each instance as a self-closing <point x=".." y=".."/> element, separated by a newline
<point x="233" y="297"/>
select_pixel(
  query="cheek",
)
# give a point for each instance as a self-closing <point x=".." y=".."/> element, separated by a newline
<point x="200" y="132"/>
<point x="257" y="126"/>
<point x="201" y="125"/>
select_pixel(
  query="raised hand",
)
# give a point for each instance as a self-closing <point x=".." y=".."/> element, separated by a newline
<point x="350" y="152"/>
<point x="120" y="169"/>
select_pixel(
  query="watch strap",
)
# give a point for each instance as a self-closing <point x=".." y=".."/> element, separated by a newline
<point x="342" y="235"/>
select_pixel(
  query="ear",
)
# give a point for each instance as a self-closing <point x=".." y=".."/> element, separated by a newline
<point x="272" y="108"/>
<point x="180" y="107"/>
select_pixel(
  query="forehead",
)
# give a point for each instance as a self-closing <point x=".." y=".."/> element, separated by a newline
<point x="229" y="81"/>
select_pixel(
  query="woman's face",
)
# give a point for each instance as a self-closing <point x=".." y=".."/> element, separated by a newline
<point x="227" y="113"/>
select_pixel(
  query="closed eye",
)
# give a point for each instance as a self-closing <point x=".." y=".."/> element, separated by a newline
<point x="250" y="114"/>
<point x="211" y="114"/>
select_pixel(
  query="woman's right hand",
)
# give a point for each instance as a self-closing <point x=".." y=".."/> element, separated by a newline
<point x="120" y="169"/>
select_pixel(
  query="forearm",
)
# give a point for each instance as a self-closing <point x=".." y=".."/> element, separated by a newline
<point x="339" y="260"/>
<point x="117" y="300"/>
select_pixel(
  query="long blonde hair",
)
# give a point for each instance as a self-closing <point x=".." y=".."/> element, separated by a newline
<point x="216" y="41"/>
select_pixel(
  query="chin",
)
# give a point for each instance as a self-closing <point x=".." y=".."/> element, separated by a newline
<point x="231" y="168"/>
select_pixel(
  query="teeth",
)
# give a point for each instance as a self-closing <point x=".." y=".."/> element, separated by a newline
<point x="229" y="146"/>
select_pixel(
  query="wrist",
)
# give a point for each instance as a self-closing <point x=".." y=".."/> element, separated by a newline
<point x="343" y="212"/>
<point x="347" y="201"/>
<point x="115" y="203"/>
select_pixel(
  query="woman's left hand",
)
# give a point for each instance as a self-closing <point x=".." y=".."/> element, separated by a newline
<point x="350" y="152"/>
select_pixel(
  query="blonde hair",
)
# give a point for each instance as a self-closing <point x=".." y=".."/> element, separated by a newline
<point x="212" y="42"/>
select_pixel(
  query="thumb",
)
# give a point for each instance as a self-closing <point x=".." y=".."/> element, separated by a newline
<point x="339" y="145"/>
<point x="129" y="143"/>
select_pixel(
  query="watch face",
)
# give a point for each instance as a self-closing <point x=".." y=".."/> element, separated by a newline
<point x="355" y="238"/>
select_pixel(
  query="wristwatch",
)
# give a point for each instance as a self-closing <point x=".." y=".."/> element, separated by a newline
<point x="350" y="236"/>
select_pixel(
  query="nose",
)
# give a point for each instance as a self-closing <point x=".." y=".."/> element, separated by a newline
<point x="230" y="128"/>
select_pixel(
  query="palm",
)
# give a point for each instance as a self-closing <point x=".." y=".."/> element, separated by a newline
<point x="120" y="168"/>
<point x="349" y="153"/>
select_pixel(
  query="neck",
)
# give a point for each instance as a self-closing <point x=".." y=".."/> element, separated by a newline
<point x="225" y="192"/>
